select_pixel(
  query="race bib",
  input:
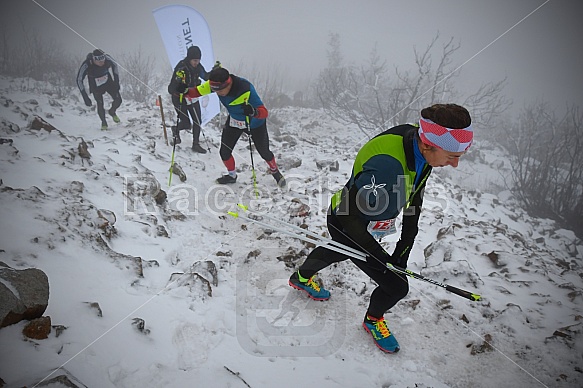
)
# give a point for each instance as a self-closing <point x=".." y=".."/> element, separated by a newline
<point x="101" y="80"/>
<point x="190" y="101"/>
<point x="237" y="123"/>
<point x="380" y="229"/>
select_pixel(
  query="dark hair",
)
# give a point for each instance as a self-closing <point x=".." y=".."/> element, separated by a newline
<point x="448" y="115"/>
<point x="219" y="74"/>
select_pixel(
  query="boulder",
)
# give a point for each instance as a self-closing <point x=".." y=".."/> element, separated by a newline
<point x="24" y="294"/>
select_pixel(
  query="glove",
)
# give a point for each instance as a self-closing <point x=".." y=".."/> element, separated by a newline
<point x="217" y="65"/>
<point x="87" y="99"/>
<point x="248" y="110"/>
<point x="401" y="253"/>
<point x="180" y="76"/>
<point x="181" y="88"/>
<point x="380" y="260"/>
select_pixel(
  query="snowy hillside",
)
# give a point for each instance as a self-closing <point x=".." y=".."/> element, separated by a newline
<point x="180" y="294"/>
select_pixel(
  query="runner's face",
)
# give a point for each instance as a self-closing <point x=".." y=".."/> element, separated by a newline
<point x="225" y="91"/>
<point x="436" y="157"/>
<point x="194" y="62"/>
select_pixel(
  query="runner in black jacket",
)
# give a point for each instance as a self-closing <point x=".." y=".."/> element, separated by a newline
<point x="188" y="71"/>
<point x="388" y="176"/>
<point x="101" y="71"/>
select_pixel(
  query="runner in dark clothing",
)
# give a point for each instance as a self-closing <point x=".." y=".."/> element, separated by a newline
<point x="388" y="176"/>
<point x="246" y="114"/>
<point x="188" y="71"/>
<point x="101" y="71"/>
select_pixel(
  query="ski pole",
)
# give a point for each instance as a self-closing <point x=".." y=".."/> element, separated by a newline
<point x="172" y="162"/>
<point x="174" y="136"/>
<point x="351" y="252"/>
<point x="254" y="176"/>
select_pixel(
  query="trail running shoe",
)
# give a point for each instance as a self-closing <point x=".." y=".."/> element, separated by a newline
<point x="114" y="116"/>
<point x="379" y="331"/>
<point x="197" y="148"/>
<point x="279" y="178"/>
<point x="104" y="127"/>
<point x="310" y="287"/>
<point x="226" y="179"/>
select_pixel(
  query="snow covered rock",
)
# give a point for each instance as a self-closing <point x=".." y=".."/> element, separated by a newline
<point x="24" y="294"/>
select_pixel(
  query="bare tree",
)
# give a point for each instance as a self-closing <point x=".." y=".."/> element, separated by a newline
<point x="369" y="97"/>
<point x="30" y="54"/>
<point x="546" y="163"/>
<point x="141" y="82"/>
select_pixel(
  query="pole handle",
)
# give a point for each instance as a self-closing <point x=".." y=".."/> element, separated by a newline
<point x="465" y="294"/>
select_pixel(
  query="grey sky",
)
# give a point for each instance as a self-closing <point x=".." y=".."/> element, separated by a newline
<point x="541" y="56"/>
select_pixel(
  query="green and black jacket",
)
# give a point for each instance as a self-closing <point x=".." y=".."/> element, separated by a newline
<point x="384" y="181"/>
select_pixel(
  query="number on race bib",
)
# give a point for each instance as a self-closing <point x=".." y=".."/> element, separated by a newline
<point x="102" y="80"/>
<point x="237" y="123"/>
<point x="380" y="229"/>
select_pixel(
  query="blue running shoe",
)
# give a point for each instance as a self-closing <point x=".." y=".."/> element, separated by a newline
<point x="379" y="330"/>
<point x="310" y="287"/>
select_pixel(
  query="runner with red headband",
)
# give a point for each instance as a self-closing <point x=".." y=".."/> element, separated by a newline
<point x="246" y="113"/>
<point x="388" y="177"/>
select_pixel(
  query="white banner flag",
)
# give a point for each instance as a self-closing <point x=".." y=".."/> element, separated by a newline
<point x="182" y="27"/>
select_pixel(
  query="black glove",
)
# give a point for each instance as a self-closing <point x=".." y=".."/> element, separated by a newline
<point x="181" y="88"/>
<point x="87" y="99"/>
<point x="379" y="260"/>
<point x="401" y="253"/>
<point x="248" y="110"/>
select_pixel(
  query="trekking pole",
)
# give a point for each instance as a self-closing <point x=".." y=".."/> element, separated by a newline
<point x="174" y="135"/>
<point x="348" y="251"/>
<point x="248" y="129"/>
<point x="172" y="162"/>
<point x="163" y="120"/>
<point x="199" y="119"/>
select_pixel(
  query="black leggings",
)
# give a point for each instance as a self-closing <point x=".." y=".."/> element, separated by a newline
<point x="391" y="287"/>
<point x="231" y="135"/>
<point x="183" y="110"/>
<point x="113" y="91"/>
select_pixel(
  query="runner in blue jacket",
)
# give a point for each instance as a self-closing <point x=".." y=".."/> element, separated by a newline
<point x="247" y="113"/>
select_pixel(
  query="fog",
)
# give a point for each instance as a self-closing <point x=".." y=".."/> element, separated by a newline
<point x="539" y="52"/>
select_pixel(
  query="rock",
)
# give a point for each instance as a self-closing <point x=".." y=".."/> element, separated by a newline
<point x="38" y="123"/>
<point x="288" y="162"/>
<point x="83" y="151"/>
<point x="333" y="165"/>
<point x="24" y="294"/>
<point x="160" y="198"/>
<point x="298" y="209"/>
<point x="38" y="328"/>
<point x="176" y="169"/>
<point x="140" y="325"/>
